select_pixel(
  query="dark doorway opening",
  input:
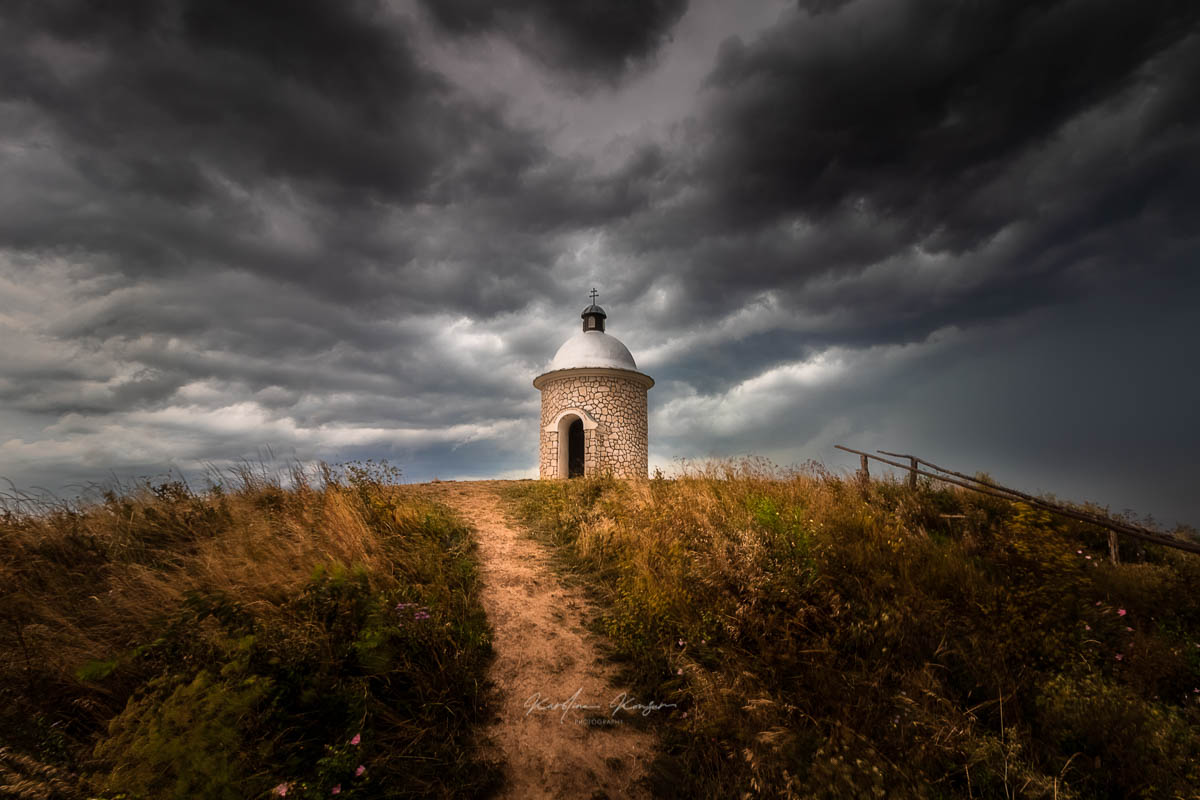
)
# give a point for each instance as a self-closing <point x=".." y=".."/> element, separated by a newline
<point x="575" y="449"/>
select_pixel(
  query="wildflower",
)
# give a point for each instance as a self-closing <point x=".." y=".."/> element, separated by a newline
<point x="1129" y="629"/>
<point x="1079" y="551"/>
<point x="684" y="715"/>
<point x="1089" y="558"/>
<point x="281" y="790"/>
<point x="1120" y="657"/>
<point x="421" y="615"/>
<point x="1120" y="612"/>
<point x="705" y="641"/>
<point x="679" y="671"/>
<point x="681" y="642"/>
<point x="1087" y="627"/>
<point x="336" y="790"/>
<point x="1097" y="602"/>
<point x="357" y="738"/>
<point x="359" y="771"/>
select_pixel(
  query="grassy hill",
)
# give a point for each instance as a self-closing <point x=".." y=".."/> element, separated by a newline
<point x="243" y="642"/>
<point x="825" y="641"/>
<point x="820" y="638"/>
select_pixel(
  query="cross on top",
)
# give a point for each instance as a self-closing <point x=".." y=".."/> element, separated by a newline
<point x="594" y="293"/>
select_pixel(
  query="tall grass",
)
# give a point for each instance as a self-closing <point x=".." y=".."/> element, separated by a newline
<point x="241" y="643"/>
<point x="825" y="639"/>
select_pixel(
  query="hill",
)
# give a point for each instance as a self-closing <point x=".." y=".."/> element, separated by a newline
<point x="242" y="642"/>
<point x="826" y="639"/>
<point x="806" y="635"/>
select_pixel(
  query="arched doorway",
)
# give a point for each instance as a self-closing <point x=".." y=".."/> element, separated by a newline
<point x="572" y="429"/>
<point x="575" y="449"/>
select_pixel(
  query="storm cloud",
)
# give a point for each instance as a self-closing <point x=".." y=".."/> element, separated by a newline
<point x="359" y="229"/>
<point x="603" y="40"/>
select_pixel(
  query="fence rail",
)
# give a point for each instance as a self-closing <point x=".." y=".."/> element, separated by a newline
<point x="996" y="490"/>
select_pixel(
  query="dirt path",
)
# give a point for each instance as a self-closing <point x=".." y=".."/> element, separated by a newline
<point x="543" y="651"/>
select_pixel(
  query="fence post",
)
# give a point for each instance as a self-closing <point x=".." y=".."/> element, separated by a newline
<point x="912" y="473"/>
<point x="863" y="474"/>
<point x="1114" y="550"/>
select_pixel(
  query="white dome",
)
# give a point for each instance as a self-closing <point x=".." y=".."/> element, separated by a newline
<point x="592" y="349"/>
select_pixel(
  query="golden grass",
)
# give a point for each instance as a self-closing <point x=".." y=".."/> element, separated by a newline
<point x="828" y="639"/>
<point x="291" y="589"/>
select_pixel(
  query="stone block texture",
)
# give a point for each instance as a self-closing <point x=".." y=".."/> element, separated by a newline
<point x="617" y="445"/>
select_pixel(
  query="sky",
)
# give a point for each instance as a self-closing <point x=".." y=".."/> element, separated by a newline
<point x="304" y="231"/>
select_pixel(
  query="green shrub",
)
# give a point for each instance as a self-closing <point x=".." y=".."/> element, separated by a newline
<point x="1143" y="748"/>
<point x="187" y="739"/>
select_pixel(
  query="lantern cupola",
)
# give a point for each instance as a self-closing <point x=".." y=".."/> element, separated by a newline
<point x="593" y="316"/>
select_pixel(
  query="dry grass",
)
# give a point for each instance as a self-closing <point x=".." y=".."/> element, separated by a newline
<point x="827" y="640"/>
<point x="271" y="612"/>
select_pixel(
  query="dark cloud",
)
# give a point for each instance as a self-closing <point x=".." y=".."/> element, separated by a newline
<point x="604" y="40"/>
<point x="912" y="106"/>
<point x="299" y="141"/>
<point x="307" y="91"/>
<point x="893" y="168"/>
<point x="342" y="230"/>
<point x="821" y="6"/>
<point x="163" y="126"/>
<point x="1077" y="401"/>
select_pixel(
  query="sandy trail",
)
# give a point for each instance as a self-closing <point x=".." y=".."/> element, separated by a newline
<point x="543" y="649"/>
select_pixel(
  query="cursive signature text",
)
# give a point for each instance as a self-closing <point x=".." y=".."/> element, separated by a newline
<point x="624" y="702"/>
<point x="537" y="703"/>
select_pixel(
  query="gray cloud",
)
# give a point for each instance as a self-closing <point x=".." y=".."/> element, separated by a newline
<point x="891" y="169"/>
<point x="598" y="40"/>
<point x="298" y="226"/>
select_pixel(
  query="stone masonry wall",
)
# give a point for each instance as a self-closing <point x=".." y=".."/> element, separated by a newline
<point x="618" y="444"/>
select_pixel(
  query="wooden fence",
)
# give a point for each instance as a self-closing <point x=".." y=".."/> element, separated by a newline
<point x="913" y="467"/>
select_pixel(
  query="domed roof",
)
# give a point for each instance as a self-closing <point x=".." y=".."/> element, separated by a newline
<point x="592" y="349"/>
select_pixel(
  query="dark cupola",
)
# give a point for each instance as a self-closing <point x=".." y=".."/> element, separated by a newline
<point x="593" y="316"/>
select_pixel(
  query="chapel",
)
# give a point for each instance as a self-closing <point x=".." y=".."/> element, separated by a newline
<point x="593" y="406"/>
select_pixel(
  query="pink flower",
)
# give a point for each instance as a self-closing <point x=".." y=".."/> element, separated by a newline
<point x="685" y="715"/>
<point x="1120" y="657"/>
<point x="679" y="671"/>
<point x="1087" y="627"/>
<point x="1129" y="629"/>
<point x="281" y="790"/>
<point x="1097" y="602"/>
<point x="1120" y="612"/>
<point x="336" y="790"/>
<point x="681" y="642"/>
<point x="1089" y="558"/>
<point x="357" y="738"/>
<point x="358" y="772"/>
<point x="1079" y="551"/>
